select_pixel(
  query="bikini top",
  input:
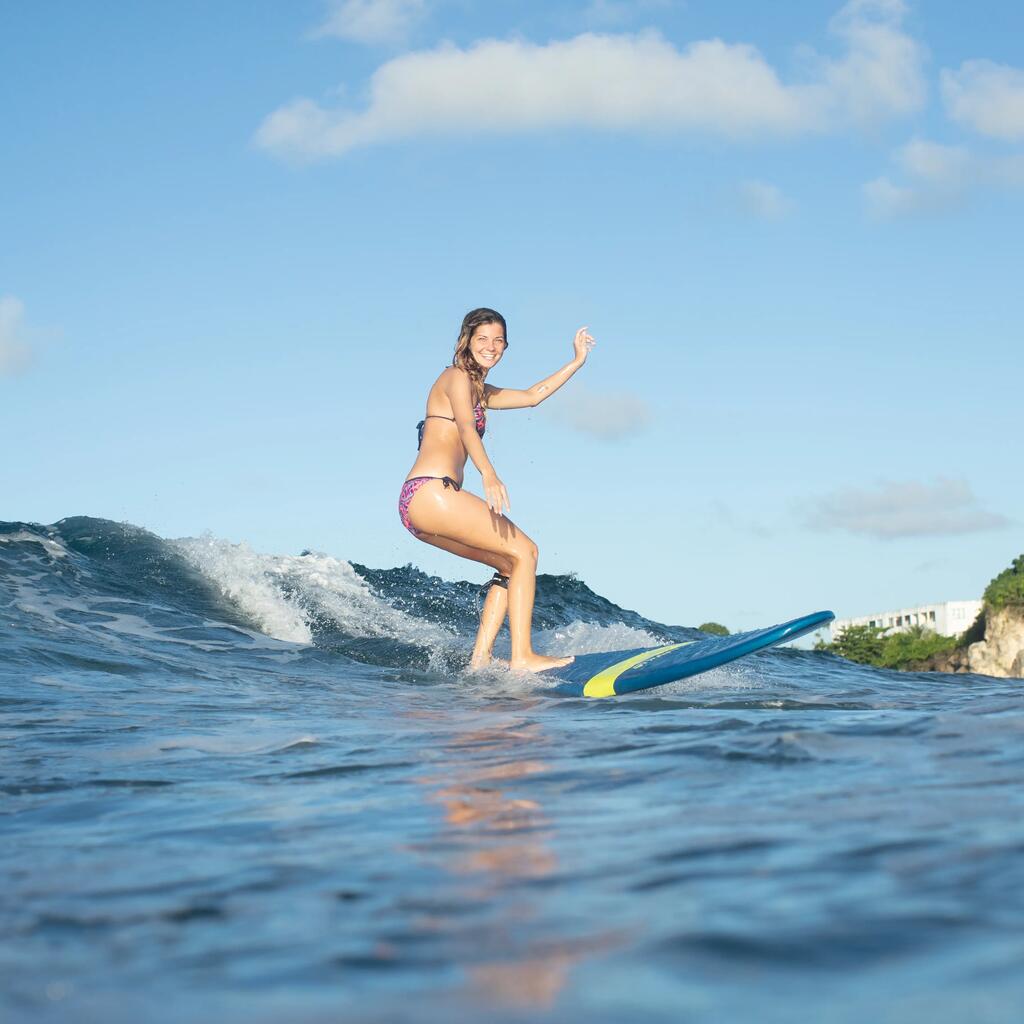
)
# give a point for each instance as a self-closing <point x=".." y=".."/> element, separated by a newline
<point x="478" y="416"/>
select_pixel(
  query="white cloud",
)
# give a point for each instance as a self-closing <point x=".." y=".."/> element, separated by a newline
<point x="986" y="97"/>
<point x="887" y="201"/>
<point x="938" y="177"/>
<point x="908" y="509"/>
<point x="881" y="74"/>
<point x="14" y="351"/>
<point x="371" y="21"/>
<point x="626" y="82"/>
<point x="945" y="166"/>
<point x="607" y="416"/>
<point x="764" y="200"/>
<point x="612" y="82"/>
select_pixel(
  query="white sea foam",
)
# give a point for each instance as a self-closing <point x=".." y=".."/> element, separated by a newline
<point x="247" y="578"/>
<point x="52" y="547"/>
<point x="284" y="593"/>
<point x="119" y="621"/>
<point x="588" y="638"/>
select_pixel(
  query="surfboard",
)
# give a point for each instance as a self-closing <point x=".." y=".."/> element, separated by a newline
<point x="614" y="673"/>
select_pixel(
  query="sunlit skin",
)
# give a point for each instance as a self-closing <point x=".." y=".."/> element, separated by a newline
<point x="475" y="528"/>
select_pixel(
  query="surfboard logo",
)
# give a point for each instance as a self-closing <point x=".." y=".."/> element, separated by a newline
<point x="603" y="684"/>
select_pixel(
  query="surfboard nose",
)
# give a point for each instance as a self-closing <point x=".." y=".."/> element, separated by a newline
<point x="620" y="672"/>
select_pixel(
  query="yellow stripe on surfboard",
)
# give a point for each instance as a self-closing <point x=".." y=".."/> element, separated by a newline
<point x="603" y="684"/>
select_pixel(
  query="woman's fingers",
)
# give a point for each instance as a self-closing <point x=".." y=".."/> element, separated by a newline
<point x="497" y="499"/>
<point x="584" y="340"/>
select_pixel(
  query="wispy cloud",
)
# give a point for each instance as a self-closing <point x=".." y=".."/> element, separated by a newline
<point x="943" y="166"/>
<point x="371" y="21"/>
<point x="987" y="98"/>
<point x="608" y="416"/>
<point x="763" y="200"/>
<point x="721" y="514"/>
<point x="904" y="509"/>
<point x="881" y="74"/>
<point x="626" y="83"/>
<point x="15" y="353"/>
<point x="936" y="177"/>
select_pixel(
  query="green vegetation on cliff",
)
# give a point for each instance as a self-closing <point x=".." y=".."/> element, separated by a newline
<point x="714" y="628"/>
<point x="869" y="646"/>
<point x="903" y="650"/>
<point x="1008" y="587"/>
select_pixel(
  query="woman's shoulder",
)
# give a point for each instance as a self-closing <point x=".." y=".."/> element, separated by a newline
<point x="453" y="375"/>
<point x="452" y="380"/>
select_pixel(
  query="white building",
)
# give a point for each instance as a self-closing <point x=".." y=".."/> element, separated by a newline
<point x="950" y="618"/>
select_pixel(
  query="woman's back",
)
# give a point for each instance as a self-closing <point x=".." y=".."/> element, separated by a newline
<point x="441" y="451"/>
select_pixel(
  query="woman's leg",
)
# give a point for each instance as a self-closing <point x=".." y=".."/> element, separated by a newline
<point x="492" y="615"/>
<point x="443" y="513"/>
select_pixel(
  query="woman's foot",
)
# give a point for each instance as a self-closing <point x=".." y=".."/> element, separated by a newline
<point x="537" y="663"/>
<point x="479" y="661"/>
<point x="493" y="665"/>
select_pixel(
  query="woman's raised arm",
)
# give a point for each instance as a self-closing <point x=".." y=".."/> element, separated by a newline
<point x="512" y="398"/>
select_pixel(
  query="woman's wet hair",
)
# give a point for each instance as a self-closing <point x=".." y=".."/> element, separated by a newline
<point x="464" y="358"/>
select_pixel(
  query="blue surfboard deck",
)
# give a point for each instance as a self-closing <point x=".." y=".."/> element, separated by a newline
<point x="617" y="672"/>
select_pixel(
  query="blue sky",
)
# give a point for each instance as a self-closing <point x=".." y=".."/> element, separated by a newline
<point x="237" y="241"/>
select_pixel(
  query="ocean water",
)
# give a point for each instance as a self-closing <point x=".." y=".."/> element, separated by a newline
<point x="237" y="786"/>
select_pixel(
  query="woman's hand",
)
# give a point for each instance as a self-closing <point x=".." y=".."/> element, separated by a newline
<point x="582" y="343"/>
<point x="495" y="494"/>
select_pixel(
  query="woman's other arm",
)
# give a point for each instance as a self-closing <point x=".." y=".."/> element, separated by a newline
<point x="460" y="394"/>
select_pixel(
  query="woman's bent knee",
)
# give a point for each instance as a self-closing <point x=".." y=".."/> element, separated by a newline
<point x="525" y="552"/>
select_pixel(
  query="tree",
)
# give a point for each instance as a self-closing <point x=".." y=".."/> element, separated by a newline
<point x="863" y="644"/>
<point x="1008" y="587"/>
<point x="714" y="628"/>
<point x="869" y="645"/>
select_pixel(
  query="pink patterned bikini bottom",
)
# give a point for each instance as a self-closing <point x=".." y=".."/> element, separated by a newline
<point x="409" y="488"/>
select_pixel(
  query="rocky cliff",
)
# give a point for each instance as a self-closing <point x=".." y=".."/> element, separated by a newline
<point x="993" y="646"/>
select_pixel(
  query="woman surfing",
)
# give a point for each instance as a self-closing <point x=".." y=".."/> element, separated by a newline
<point x="433" y="506"/>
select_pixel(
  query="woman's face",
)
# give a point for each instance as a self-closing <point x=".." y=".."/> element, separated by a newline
<point x="487" y="345"/>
